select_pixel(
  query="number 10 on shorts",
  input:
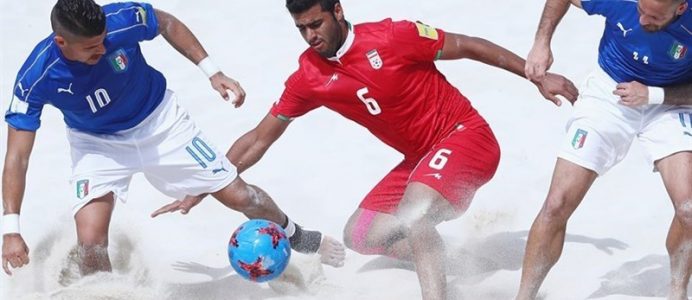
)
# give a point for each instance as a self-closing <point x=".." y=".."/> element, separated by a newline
<point x="201" y="152"/>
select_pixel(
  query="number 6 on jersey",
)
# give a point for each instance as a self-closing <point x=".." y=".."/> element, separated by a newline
<point x="370" y="103"/>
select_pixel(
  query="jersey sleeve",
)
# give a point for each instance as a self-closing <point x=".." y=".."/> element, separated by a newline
<point x="293" y="102"/>
<point x="417" y="41"/>
<point x="24" y="112"/>
<point x="132" y="21"/>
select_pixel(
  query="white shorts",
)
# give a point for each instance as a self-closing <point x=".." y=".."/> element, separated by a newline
<point x="600" y="132"/>
<point x="167" y="147"/>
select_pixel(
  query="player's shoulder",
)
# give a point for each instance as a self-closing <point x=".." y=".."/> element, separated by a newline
<point x="114" y="10"/>
<point x="42" y="58"/>
<point x="388" y="28"/>
<point x="384" y="25"/>
<point x="622" y="7"/>
<point x="123" y="15"/>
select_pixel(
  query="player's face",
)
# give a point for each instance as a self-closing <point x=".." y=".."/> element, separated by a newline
<point x="88" y="50"/>
<point x="654" y="15"/>
<point x="322" y="29"/>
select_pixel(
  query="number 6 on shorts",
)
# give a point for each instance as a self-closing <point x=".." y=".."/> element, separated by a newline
<point x="440" y="159"/>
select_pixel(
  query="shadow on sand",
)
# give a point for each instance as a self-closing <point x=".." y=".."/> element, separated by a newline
<point x="223" y="284"/>
<point x="646" y="277"/>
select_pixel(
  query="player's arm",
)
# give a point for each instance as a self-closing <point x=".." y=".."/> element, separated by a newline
<point x="636" y="94"/>
<point x="678" y="94"/>
<point x="184" y="41"/>
<point x="541" y="57"/>
<point x="249" y="148"/>
<point x="19" y="146"/>
<point x="458" y="46"/>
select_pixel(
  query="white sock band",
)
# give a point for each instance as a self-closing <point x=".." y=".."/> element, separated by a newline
<point x="290" y="228"/>
<point x="10" y="224"/>
<point x="208" y="67"/>
<point x="656" y="95"/>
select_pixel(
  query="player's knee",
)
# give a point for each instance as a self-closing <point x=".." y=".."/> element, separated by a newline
<point x="92" y="242"/>
<point x="356" y="238"/>
<point x="684" y="213"/>
<point x="241" y="197"/>
<point x="557" y="208"/>
<point x="92" y="238"/>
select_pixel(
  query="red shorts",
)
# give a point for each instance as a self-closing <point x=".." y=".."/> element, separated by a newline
<point x="455" y="167"/>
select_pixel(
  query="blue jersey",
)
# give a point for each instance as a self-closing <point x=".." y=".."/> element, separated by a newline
<point x="628" y="53"/>
<point x="117" y="93"/>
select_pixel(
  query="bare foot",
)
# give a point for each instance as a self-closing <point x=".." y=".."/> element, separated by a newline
<point x="332" y="252"/>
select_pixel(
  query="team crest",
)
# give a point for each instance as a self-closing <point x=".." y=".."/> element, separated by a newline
<point x="579" y="139"/>
<point x="82" y="188"/>
<point x="678" y="51"/>
<point x="375" y="59"/>
<point x="118" y="61"/>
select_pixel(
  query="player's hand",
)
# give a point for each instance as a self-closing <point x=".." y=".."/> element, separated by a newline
<point x="538" y="61"/>
<point x="632" y="94"/>
<point x="222" y="84"/>
<point x="553" y="85"/>
<point x="14" y="252"/>
<point x="183" y="206"/>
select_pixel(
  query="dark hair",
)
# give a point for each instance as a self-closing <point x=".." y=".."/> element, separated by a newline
<point x="299" y="6"/>
<point x="82" y="18"/>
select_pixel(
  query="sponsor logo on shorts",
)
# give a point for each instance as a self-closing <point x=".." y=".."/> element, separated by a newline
<point x="82" y="188"/>
<point x="219" y="170"/>
<point x="436" y="175"/>
<point x="579" y="139"/>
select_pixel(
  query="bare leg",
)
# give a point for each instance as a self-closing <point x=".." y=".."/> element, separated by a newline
<point x="421" y="209"/>
<point x="375" y="233"/>
<point x="250" y="200"/>
<point x="257" y="204"/>
<point x="547" y="236"/>
<point x="676" y="171"/>
<point x="92" y="222"/>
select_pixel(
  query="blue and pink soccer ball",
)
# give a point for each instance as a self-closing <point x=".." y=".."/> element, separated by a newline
<point x="259" y="250"/>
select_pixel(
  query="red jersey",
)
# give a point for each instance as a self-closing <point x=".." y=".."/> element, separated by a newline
<point x="384" y="78"/>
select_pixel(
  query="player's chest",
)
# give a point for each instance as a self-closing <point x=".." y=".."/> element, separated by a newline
<point x="90" y="89"/>
<point x="370" y="84"/>
<point x="668" y="48"/>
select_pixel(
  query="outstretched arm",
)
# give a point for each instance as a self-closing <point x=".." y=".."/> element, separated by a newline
<point x="249" y="148"/>
<point x="540" y="57"/>
<point x="458" y="46"/>
<point x="185" y="42"/>
<point x="19" y="146"/>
